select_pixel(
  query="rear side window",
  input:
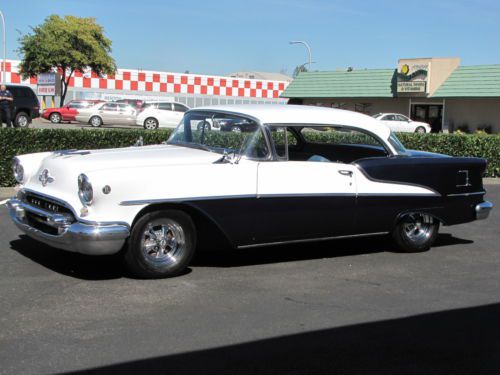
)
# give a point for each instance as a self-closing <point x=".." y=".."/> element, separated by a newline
<point x="180" y="108"/>
<point x="338" y="135"/>
<point x="165" y="106"/>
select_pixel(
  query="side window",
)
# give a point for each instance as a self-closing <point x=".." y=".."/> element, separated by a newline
<point x="165" y="106"/>
<point x="110" y="107"/>
<point x="179" y="108"/>
<point x="279" y="135"/>
<point x="401" y="118"/>
<point x="389" y="118"/>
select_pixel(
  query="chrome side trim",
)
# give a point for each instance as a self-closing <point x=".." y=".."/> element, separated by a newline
<point x="260" y="196"/>
<point x="311" y="240"/>
<point x="483" y="210"/>
<point x="467" y="194"/>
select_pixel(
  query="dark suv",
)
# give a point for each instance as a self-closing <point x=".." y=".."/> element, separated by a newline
<point x="25" y="106"/>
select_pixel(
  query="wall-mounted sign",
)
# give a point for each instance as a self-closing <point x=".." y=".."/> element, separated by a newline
<point x="412" y="77"/>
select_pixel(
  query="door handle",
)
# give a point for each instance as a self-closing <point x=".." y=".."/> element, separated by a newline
<point x="343" y="172"/>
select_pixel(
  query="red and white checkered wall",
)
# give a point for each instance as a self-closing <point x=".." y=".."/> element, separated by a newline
<point x="163" y="82"/>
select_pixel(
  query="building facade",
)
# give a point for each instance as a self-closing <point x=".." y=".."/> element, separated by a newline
<point x="193" y="90"/>
<point x="438" y="91"/>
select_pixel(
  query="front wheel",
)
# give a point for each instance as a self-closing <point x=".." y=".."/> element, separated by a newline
<point x="22" y="120"/>
<point x="95" y="121"/>
<point x="161" y="245"/>
<point x="420" y="130"/>
<point x="415" y="232"/>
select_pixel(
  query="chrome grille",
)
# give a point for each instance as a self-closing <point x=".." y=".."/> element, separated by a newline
<point x="46" y="204"/>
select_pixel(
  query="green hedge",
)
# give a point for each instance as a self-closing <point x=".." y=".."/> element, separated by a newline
<point x="23" y="141"/>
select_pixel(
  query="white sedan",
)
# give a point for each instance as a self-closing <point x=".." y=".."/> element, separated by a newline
<point x="399" y="123"/>
<point x="160" y="114"/>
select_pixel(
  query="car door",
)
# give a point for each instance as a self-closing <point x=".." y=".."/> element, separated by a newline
<point x="178" y="112"/>
<point x="404" y="124"/>
<point x="304" y="199"/>
<point x="390" y="121"/>
<point x="109" y="113"/>
<point x="126" y="114"/>
<point x="165" y="115"/>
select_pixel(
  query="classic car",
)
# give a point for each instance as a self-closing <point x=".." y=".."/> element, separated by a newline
<point x="295" y="173"/>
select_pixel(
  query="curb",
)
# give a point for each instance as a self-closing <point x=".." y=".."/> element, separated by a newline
<point x="9" y="192"/>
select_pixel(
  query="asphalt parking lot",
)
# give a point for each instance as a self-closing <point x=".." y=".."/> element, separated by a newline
<point x="346" y="306"/>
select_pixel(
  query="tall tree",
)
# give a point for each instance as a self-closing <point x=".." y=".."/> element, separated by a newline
<point x="299" y="69"/>
<point x="66" y="44"/>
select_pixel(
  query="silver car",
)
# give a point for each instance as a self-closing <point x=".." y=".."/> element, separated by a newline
<point x="108" y="113"/>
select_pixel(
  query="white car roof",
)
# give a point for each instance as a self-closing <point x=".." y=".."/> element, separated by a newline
<point x="302" y="114"/>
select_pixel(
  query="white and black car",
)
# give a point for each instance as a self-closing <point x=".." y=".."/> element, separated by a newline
<point x="293" y="173"/>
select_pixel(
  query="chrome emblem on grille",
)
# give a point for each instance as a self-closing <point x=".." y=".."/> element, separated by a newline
<point x="45" y="177"/>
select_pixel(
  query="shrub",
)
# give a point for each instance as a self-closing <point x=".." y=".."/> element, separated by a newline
<point x="24" y="141"/>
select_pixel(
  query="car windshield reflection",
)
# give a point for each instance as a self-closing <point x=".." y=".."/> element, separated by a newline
<point x="220" y="133"/>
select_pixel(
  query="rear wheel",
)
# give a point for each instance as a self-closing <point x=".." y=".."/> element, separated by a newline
<point x="55" y="118"/>
<point x="420" y="129"/>
<point x="150" y="123"/>
<point x="161" y="245"/>
<point x="95" y="121"/>
<point x="415" y="232"/>
<point x="22" y="120"/>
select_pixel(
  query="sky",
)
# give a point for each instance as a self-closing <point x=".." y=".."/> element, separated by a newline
<point x="223" y="36"/>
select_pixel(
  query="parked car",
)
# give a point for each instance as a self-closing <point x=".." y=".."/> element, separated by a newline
<point x="68" y="111"/>
<point x="296" y="173"/>
<point x="160" y="114"/>
<point x="107" y="113"/>
<point x="25" y="106"/>
<point x="400" y="123"/>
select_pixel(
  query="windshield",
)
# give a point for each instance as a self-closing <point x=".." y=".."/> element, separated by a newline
<point x="396" y="143"/>
<point x="221" y="133"/>
<point x="377" y="115"/>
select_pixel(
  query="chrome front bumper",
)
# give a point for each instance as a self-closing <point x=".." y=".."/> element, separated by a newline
<point x="483" y="210"/>
<point x="79" y="237"/>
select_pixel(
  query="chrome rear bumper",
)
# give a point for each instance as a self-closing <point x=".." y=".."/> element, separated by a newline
<point x="483" y="210"/>
<point x="79" y="237"/>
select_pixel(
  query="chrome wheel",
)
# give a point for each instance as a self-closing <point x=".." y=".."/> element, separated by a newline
<point x="95" y="121"/>
<point x="150" y="123"/>
<point x="55" y="118"/>
<point x="418" y="229"/>
<point x="236" y="129"/>
<point x="22" y="121"/>
<point x="163" y="242"/>
<point x="420" y="130"/>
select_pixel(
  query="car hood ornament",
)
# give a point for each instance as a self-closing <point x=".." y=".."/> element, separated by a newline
<point x="45" y="177"/>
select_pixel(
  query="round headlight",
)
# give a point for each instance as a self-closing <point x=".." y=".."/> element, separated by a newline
<point x="18" y="170"/>
<point x="85" y="191"/>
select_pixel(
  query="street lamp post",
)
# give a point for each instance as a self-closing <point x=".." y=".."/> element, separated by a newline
<point x="4" y="49"/>
<point x="308" y="49"/>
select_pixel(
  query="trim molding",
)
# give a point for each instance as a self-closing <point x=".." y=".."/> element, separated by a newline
<point x="311" y="240"/>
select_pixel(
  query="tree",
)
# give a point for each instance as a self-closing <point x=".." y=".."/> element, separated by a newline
<point x="65" y="45"/>
<point x="299" y="69"/>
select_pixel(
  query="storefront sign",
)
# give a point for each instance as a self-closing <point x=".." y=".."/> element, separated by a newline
<point x="46" y="79"/>
<point x="412" y="77"/>
<point x="413" y="86"/>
